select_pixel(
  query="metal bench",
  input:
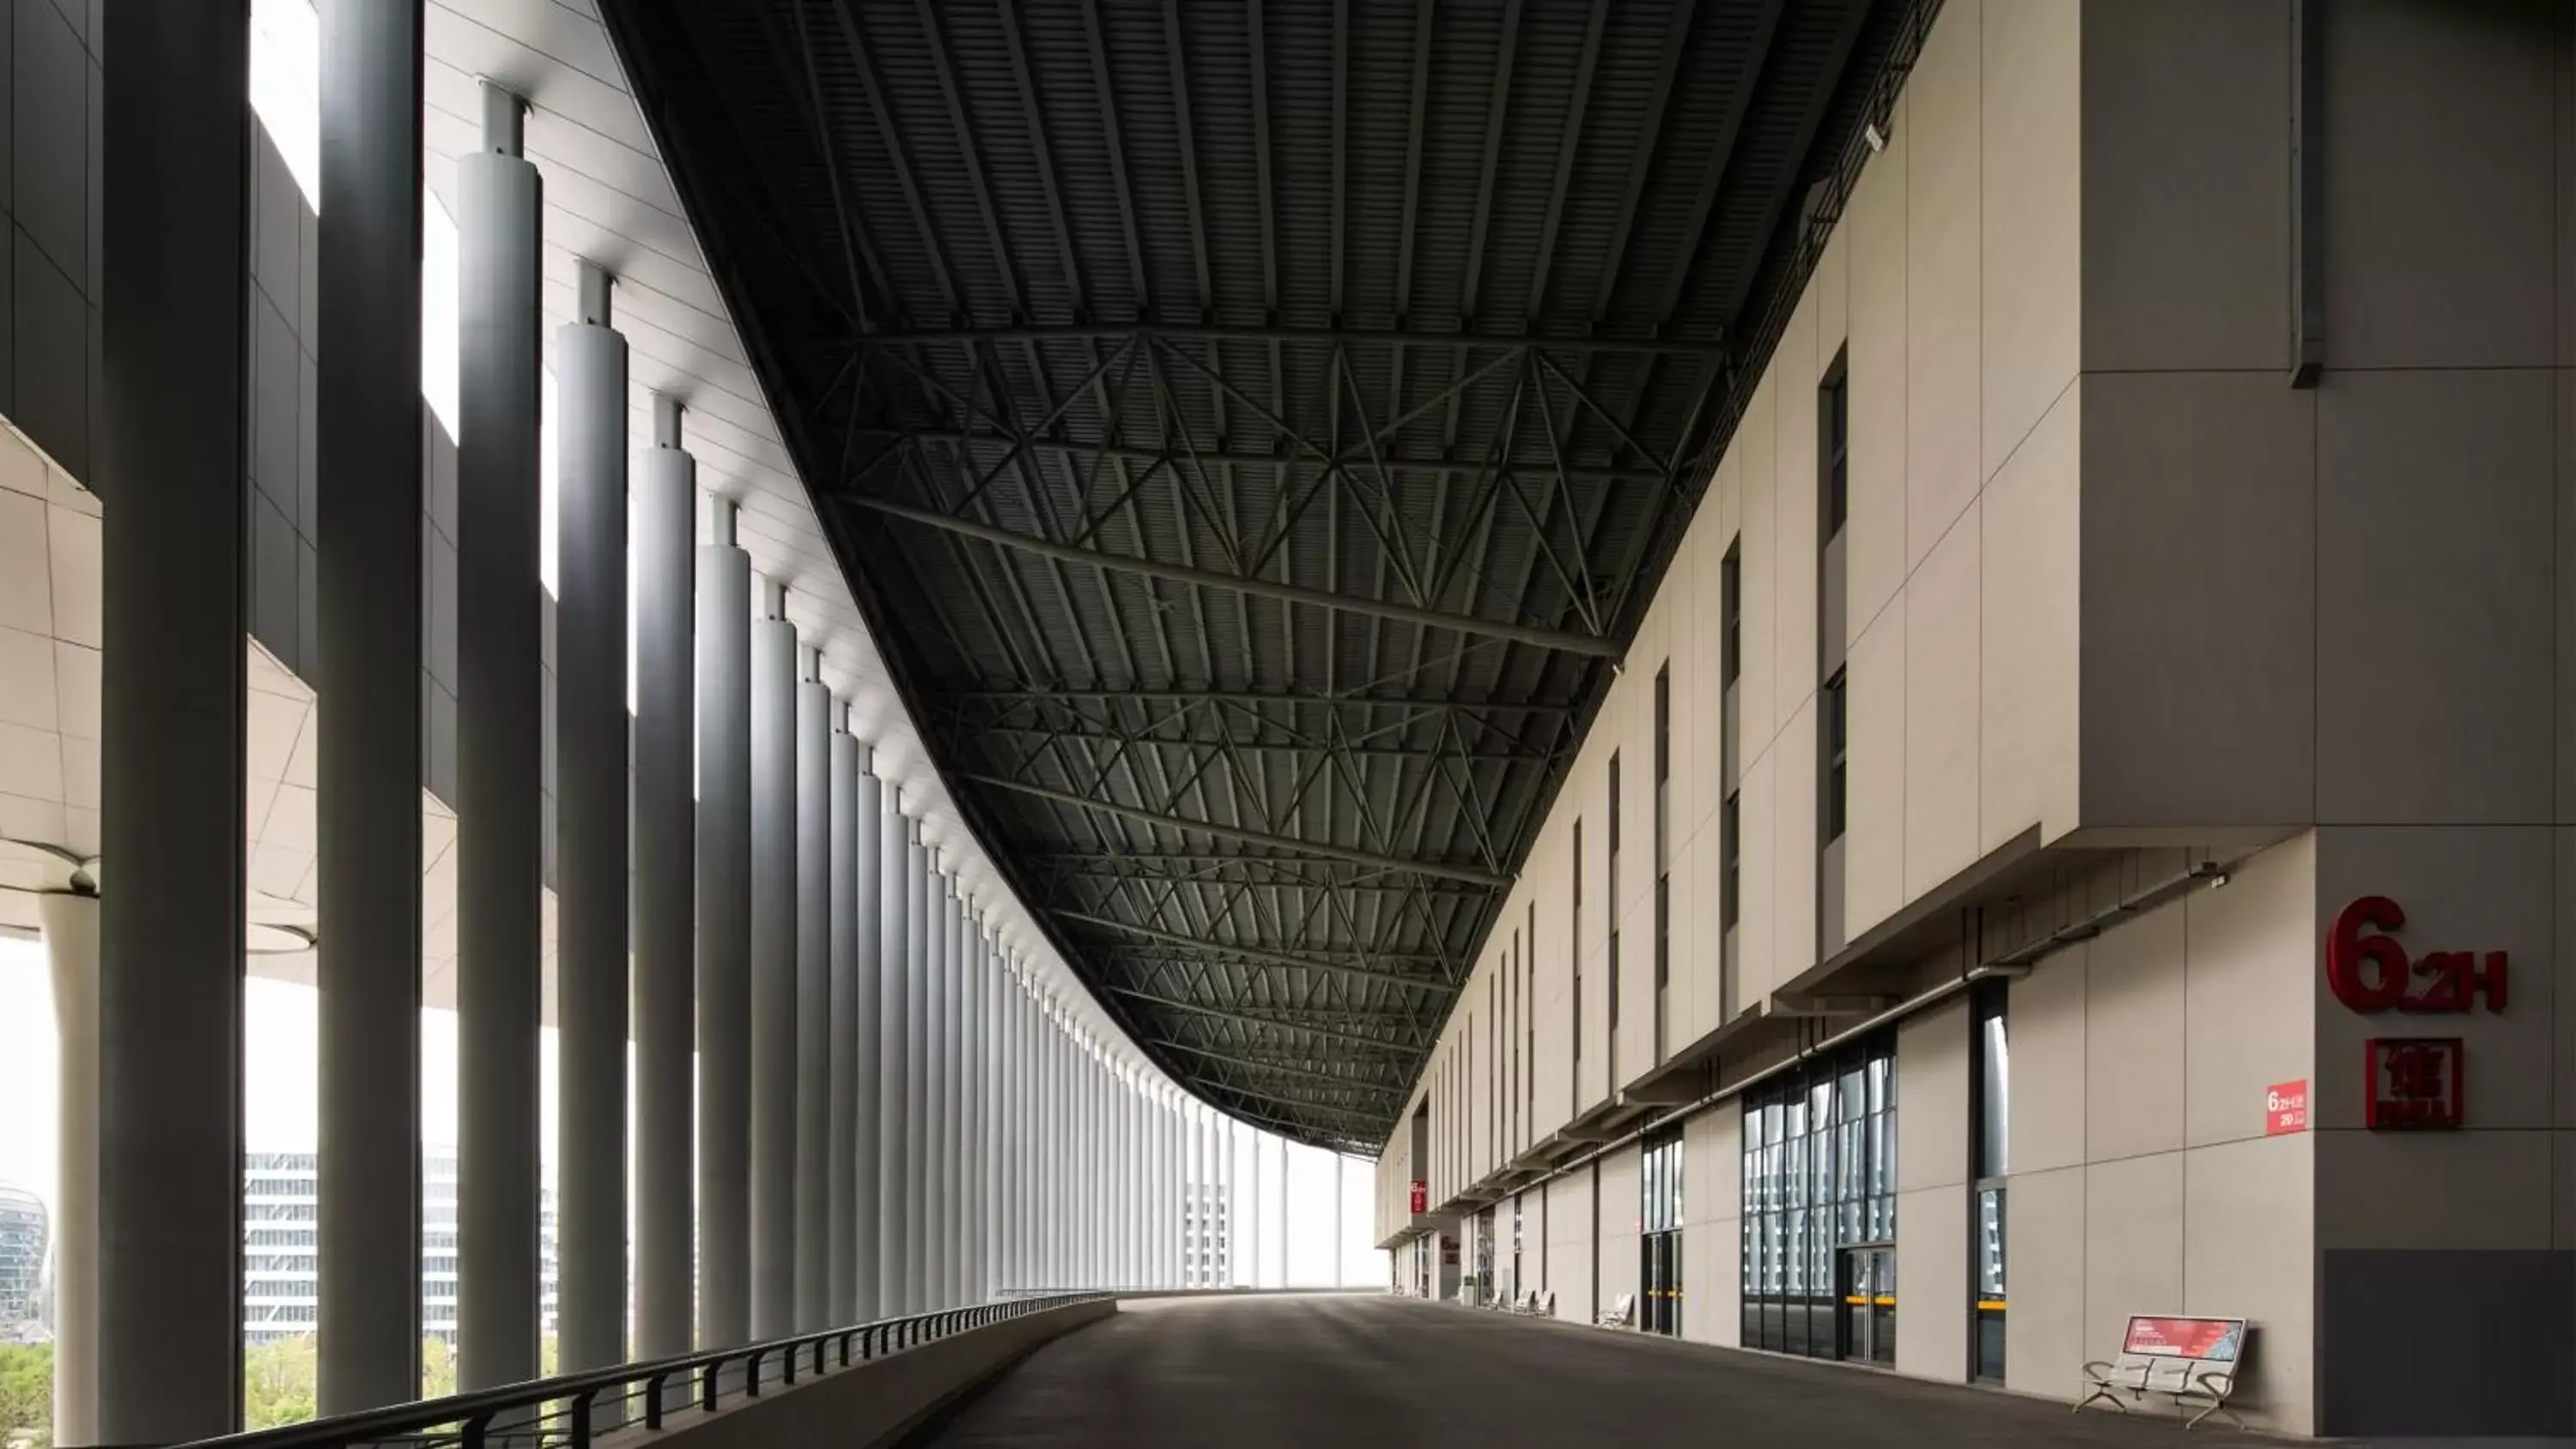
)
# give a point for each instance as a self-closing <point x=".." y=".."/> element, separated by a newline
<point x="2193" y="1361"/>
<point x="1622" y="1313"/>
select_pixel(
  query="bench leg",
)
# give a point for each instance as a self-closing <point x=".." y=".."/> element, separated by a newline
<point x="2214" y="1406"/>
<point x="2102" y="1393"/>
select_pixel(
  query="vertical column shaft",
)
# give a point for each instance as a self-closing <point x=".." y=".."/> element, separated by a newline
<point x="499" y="755"/>
<point x="665" y="916"/>
<point x="934" y="1142"/>
<point x="70" y="924"/>
<point x="724" y="935"/>
<point x="894" y="1056"/>
<point x="591" y="845"/>
<point x="367" y="424"/>
<point x="952" y="1148"/>
<point x="916" y="1125"/>
<point x="841" y="1114"/>
<point x="815" y="1161"/>
<point x="773" y="968"/>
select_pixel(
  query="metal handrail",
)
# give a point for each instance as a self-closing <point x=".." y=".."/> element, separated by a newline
<point x="519" y="1413"/>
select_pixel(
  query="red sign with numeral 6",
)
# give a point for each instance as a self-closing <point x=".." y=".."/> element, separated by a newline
<point x="2369" y="972"/>
<point x="2285" y="1108"/>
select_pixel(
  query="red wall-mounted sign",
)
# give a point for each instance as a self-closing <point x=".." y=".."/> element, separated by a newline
<point x="2285" y="1108"/>
<point x="2412" y="1082"/>
<point x="2370" y="973"/>
<point x="1421" y="1196"/>
<point x="2417" y="1082"/>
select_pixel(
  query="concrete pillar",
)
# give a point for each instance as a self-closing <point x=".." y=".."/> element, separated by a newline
<point x="1339" y="1211"/>
<point x="934" y="1115"/>
<point x="367" y="412"/>
<point x="724" y="934"/>
<point x="499" y="755"/>
<point x="815" y="1160"/>
<point x="173" y="132"/>
<point x="1283" y="1212"/>
<point x="971" y="1094"/>
<point x="70" y="926"/>
<point x="852" y="1021"/>
<point x="773" y="967"/>
<point x="917" y="1236"/>
<point x="665" y="824"/>
<point x="591" y="858"/>
<point x="894" y="1057"/>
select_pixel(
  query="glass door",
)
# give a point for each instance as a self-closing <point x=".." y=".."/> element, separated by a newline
<point x="1865" y="1305"/>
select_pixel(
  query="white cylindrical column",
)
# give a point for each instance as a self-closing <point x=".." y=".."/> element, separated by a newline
<point x="811" y="1262"/>
<point x="841" y="1220"/>
<point x="665" y="877"/>
<point x="917" y="1236"/>
<point x="934" y="1148"/>
<point x="952" y="1087"/>
<point x="591" y="860"/>
<point x="499" y="754"/>
<point x="894" y="1056"/>
<point x="70" y="924"/>
<point x="724" y="934"/>
<point x="773" y="967"/>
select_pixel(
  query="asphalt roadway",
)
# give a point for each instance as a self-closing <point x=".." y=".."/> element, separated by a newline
<point x="1352" y="1369"/>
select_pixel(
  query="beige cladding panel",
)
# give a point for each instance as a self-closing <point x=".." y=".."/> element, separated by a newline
<point x="1932" y="1097"/>
<point x="1794" y="845"/>
<point x="2049" y="1045"/>
<point x="2249" y="1252"/>
<point x="2032" y="121"/>
<point x="2425" y="730"/>
<point x="2135" y="1027"/>
<point x="1943" y="261"/>
<point x="2134" y="1229"/>
<point x="1874" y="220"/>
<point x="1931" y="1271"/>
<point x="1792" y="401"/>
<point x="2028" y="661"/>
<point x="2249" y="992"/>
<point x="1874" y="778"/>
<point x="1943" y="649"/>
<point x="2044" y="1222"/>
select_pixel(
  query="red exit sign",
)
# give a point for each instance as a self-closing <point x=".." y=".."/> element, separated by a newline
<point x="2410" y="1082"/>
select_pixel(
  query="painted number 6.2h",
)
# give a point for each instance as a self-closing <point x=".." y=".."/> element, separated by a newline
<point x="2369" y="971"/>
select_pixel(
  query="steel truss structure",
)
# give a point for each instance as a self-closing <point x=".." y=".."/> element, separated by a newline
<point x="1254" y="429"/>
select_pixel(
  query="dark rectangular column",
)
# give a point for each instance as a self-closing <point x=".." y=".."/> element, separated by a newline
<point x="175" y="212"/>
<point x="591" y="907"/>
<point x="369" y="765"/>
<point x="665" y="825"/>
<point x="499" y="750"/>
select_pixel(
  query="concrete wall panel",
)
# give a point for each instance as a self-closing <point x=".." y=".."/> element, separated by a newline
<point x="2249" y="992"/>
<point x="2248" y="1253"/>
<point x="2027" y="750"/>
<point x="1932" y="1101"/>
<point x="2135" y="1029"/>
<point x="1875" y="221"/>
<point x="1931" y="1272"/>
<point x="1944" y="263"/>
<point x="1875" y="772"/>
<point x="2048" y="1039"/>
<point x="2134" y="1229"/>
<point x="2044" y="1228"/>
<point x="1794" y="843"/>
<point x="1942" y="655"/>
<point x="2199" y="600"/>
<point x="2415" y="729"/>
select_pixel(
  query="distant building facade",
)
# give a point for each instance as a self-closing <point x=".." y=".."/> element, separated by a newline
<point x="23" y="1243"/>
<point x="1206" y="1224"/>
<point x="281" y="1249"/>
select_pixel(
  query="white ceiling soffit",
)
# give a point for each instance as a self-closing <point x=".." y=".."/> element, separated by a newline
<point x="609" y="200"/>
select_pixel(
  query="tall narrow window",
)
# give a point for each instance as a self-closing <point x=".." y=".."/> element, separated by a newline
<point x="1730" y="844"/>
<point x="1663" y="849"/>
<point x="1834" y="421"/>
<point x="1836" y="743"/>
<point x="1990" y="1124"/>
<point x="1610" y="908"/>
<point x="1731" y="614"/>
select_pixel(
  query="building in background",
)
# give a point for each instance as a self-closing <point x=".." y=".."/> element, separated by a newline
<point x="23" y="1242"/>
<point x="1206" y="1223"/>
<point x="281" y="1247"/>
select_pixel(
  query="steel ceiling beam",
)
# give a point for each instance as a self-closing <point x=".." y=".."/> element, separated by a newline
<point x="1129" y="453"/>
<point x="1281" y="1023"/>
<point x="1355" y="1084"/>
<point x="1561" y="640"/>
<point x="1260" y="699"/>
<point x="1470" y="874"/>
<point x="1341" y="336"/>
<point x="1435" y="985"/>
<point x="1271" y="747"/>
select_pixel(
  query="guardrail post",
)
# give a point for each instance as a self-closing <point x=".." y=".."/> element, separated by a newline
<point x="708" y="1395"/>
<point x="751" y="1379"/>
<point x="787" y="1364"/>
<point x="581" y="1419"/>
<point x="475" y="1432"/>
<point x="653" y="1388"/>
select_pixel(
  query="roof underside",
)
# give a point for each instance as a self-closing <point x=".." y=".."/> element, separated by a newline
<point x="1252" y="430"/>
